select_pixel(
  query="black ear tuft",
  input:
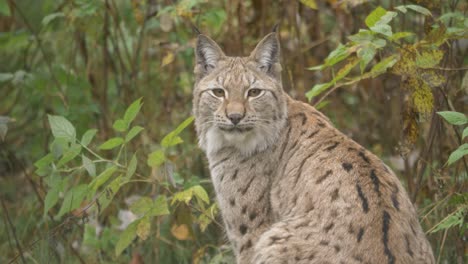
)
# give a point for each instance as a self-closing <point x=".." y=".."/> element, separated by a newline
<point x="275" y="28"/>
<point x="207" y="54"/>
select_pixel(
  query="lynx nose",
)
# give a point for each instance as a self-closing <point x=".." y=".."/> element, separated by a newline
<point x="235" y="118"/>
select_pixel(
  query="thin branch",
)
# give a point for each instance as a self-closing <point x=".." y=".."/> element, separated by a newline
<point x="13" y="231"/>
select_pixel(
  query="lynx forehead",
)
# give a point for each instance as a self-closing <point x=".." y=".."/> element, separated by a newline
<point x="291" y="187"/>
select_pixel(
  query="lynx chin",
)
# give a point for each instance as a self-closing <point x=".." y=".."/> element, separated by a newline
<point x="291" y="187"/>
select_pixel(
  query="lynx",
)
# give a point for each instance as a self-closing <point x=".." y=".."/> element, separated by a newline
<point x="291" y="187"/>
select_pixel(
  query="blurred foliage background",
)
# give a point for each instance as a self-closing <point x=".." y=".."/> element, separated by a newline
<point x="86" y="61"/>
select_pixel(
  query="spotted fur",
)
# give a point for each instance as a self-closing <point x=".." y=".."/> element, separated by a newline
<point x="291" y="187"/>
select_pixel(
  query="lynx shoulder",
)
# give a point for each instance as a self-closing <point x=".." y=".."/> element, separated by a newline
<point x="291" y="187"/>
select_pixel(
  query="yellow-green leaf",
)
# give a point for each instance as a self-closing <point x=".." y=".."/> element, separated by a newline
<point x="168" y="59"/>
<point x="133" y="133"/>
<point x="375" y="16"/>
<point x="109" y="192"/>
<point x="383" y="65"/>
<point x="340" y="53"/>
<point x="159" y="206"/>
<point x="132" y="111"/>
<point x="132" y="166"/>
<point x="156" y="158"/>
<point x="88" y="137"/>
<point x="102" y="178"/>
<point x="143" y="228"/>
<point x="309" y="3"/>
<point x="318" y="89"/>
<point x="458" y="154"/>
<point x="112" y="143"/>
<point x="126" y="238"/>
<point x="142" y="206"/>
<point x="120" y="125"/>
<point x="201" y="193"/>
<point x="173" y="138"/>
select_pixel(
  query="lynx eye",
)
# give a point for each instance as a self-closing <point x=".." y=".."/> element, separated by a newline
<point x="255" y="92"/>
<point x="218" y="92"/>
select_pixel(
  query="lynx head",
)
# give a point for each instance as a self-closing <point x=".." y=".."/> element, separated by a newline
<point x="238" y="101"/>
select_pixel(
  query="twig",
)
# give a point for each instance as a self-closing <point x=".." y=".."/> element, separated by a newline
<point x="13" y="231"/>
<point x="442" y="246"/>
<point x="61" y="93"/>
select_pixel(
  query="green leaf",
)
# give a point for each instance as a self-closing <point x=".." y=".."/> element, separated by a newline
<point x="318" y="89"/>
<point x="416" y="8"/>
<point x="142" y="206"/>
<point x="89" y="166"/>
<point x="363" y="36"/>
<point x="102" y="178"/>
<point x="159" y="206"/>
<point x="465" y="133"/>
<point x="366" y="55"/>
<point x="201" y="193"/>
<point x="399" y="35"/>
<point x="109" y="192"/>
<point x="5" y="77"/>
<point x="112" y="143"/>
<point x="173" y="138"/>
<point x="379" y="43"/>
<point x="90" y="237"/>
<point x="454" y="118"/>
<point x="375" y="16"/>
<point x="42" y="164"/>
<point x="317" y="68"/>
<point x="385" y="19"/>
<point x="4" y="8"/>
<point x="88" y="137"/>
<point x="143" y="228"/>
<point x="132" y="166"/>
<point x="382" y="29"/>
<point x="73" y="199"/>
<point x="69" y="155"/>
<point x="133" y="132"/>
<point x="120" y="125"/>
<point x="458" y="154"/>
<point x="47" y="19"/>
<point x="337" y="55"/>
<point x="132" y="111"/>
<point x="59" y="146"/>
<point x="62" y="128"/>
<point x="126" y="237"/>
<point x="345" y="70"/>
<point x="454" y="219"/>
<point x="383" y="65"/>
<point x="51" y="199"/>
<point x="156" y="158"/>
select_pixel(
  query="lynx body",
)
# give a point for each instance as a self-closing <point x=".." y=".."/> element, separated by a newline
<point x="291" y="187"/>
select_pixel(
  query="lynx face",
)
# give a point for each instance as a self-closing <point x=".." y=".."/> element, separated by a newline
<point x="238" y="101"/>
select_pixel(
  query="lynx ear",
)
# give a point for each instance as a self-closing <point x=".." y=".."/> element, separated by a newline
<point x="207" y="54"/>
<point x="267" y="54"/>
